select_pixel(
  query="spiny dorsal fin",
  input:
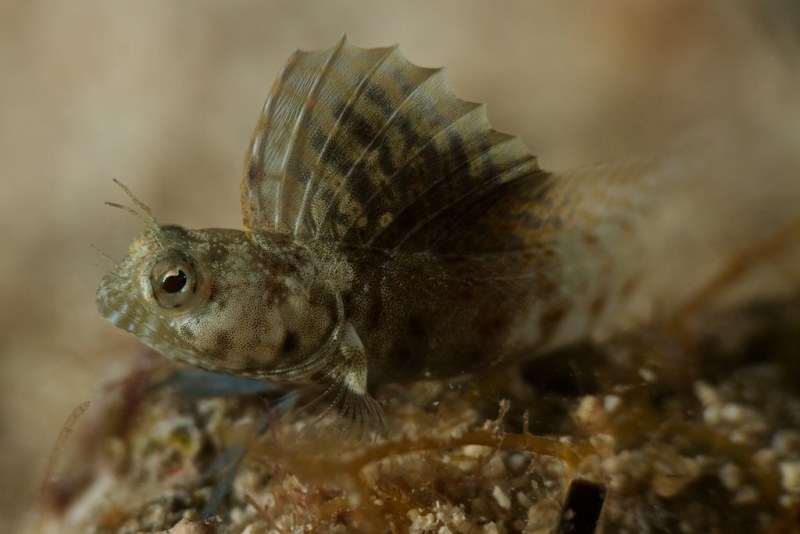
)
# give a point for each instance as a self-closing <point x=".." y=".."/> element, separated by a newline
<point x="359" y="146"/>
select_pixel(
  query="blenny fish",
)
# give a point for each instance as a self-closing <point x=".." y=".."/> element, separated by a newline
<point x="390" y="235"/>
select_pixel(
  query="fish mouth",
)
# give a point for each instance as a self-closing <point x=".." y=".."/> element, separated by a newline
<point x="121" y="309"/>
<point x="116" y="301"/>
<point x="112" y="306"/>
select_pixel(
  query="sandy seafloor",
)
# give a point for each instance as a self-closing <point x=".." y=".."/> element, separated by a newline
<point x="164" y="97"/>
<point x="639" y="434"/>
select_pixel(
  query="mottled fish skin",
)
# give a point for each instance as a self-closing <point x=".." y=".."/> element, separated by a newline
<point x="391" y="235"/>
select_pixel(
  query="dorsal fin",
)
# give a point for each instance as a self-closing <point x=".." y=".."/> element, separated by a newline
<point x="359" y="146"/>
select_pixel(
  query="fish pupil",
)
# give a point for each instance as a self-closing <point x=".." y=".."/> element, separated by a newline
<point x="174" y="282"/>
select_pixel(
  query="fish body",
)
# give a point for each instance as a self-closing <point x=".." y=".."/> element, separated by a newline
<point x="390" y="235"/>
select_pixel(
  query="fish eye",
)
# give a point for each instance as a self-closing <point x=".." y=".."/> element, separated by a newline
<point x="174" y="283"/>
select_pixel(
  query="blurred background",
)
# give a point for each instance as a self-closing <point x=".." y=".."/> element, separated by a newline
<point x="164" y="95"/>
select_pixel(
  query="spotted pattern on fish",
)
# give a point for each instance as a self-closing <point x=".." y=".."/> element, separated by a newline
<point x="390" y="234"/>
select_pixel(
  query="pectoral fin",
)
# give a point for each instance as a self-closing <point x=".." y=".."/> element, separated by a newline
<point x="346" y="391"/>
